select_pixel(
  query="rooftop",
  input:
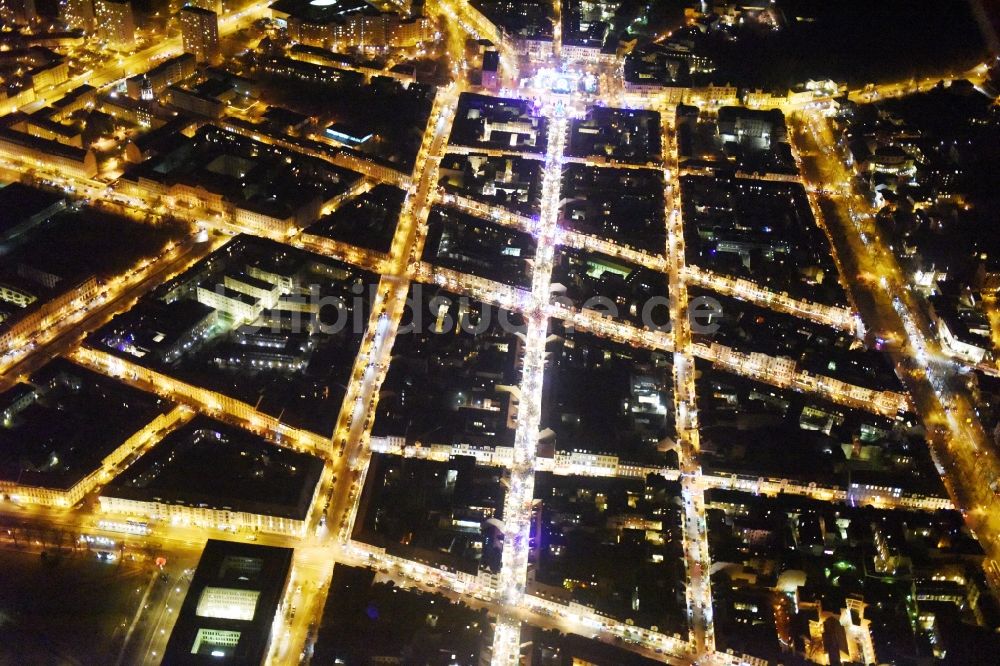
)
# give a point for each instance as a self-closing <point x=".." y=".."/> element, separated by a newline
<point x="366" y="622"/>
<point x="368" y="220"/>
<point x="441" y="513"/>
<point x="469" y="244"/>
<point x="301" y="384"/>
<point x="230" y="605"/>
<point x="19" y="203"/>
<point x="607" y="397"/>
<point x="621" y="205"/>
<point x="451" y="383"/>
<point x="208" y="463"/>
<point x="322" y="11"/>
<point x="75" y="419"/>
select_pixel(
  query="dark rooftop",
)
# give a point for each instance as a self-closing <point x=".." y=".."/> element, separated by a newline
<point x="208" y="463"/>
<point x="230" y="606"/>
<point x="77" y="419"/>
<point x="20" y="202"/>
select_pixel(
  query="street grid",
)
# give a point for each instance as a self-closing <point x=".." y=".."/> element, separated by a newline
<point x="347" y="451"/>
<point x="411" y="231"/>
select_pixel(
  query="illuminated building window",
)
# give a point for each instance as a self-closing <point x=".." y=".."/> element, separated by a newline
<point x="216" y="642"/>
<point x="227" y="603"/>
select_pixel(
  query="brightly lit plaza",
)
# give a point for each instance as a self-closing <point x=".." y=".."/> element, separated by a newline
<point x="462" y="338"/>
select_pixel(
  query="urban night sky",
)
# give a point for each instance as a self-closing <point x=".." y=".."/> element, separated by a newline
<point x="508" y="332"/>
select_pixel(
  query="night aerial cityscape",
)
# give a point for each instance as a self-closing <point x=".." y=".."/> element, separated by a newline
<point x="499" y="332"/>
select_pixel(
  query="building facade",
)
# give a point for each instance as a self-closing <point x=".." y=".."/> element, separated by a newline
<point x="200" y="32"/>
<point x="116" y="23"/>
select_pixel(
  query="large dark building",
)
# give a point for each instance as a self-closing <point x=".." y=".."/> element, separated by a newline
<point x="227" y="614"/>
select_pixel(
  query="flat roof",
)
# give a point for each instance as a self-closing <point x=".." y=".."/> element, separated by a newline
<point x="78" y="419"/>
<point x="251" y="580"/>
<point x="155" y="326"/>
<point x="165" y="66"/>
<point x="208" y="463"/>
<point x="491" y="61"/>
<point x="232" y="294"/>
<point x="251" y="281"/>
<point x="19" y="202"/>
